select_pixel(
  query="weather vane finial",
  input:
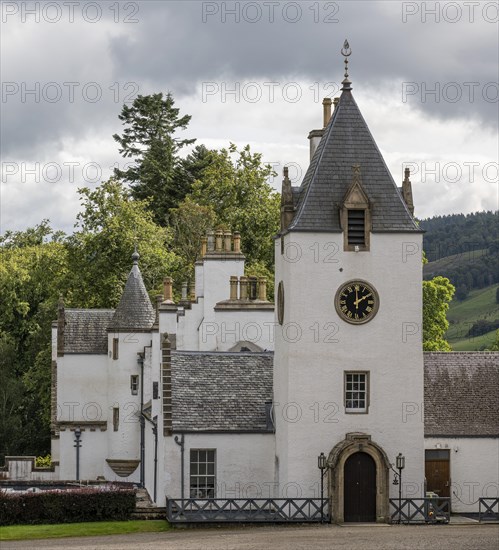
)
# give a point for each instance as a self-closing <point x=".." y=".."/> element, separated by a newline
<point x="346" y="52"/>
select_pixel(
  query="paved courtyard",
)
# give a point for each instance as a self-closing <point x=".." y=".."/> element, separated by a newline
<point x="317" y="537"/>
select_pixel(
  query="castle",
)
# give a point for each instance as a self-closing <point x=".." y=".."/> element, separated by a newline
<point x="224" y="395"/>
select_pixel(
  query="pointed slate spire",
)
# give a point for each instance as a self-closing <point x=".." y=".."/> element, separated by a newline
<point x="346" y="142"/>
<point x="135" y="311"/>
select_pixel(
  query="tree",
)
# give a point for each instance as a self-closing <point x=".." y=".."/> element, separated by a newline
<point x="437" y="294"/>
<point x="157" y="174"/>
<point x="495" y="345"/>
<point x="497" y="295"/>
<point x="189" y="222"/>
<point x="109" y="227"/>
<point x="193" y="166"/>
<point x="238" y="192"/>
<point x="32" y="274"/>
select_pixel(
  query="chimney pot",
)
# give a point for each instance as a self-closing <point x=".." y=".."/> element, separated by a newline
<point x="243" y="288"/>
<point x="167" y="289"/>
<point x="233" y="287"/>
<point x="211" y="240"/>
<point x="237" y="242"/>
<point x="218" y="240"/>
<point x="262" y="289"/>
<point x="204" y="246"/>
<point x="228" y="241"/>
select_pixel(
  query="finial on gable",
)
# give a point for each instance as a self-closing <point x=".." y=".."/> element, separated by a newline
<point x="135" y="256"/>
<point x="346" y="51"/>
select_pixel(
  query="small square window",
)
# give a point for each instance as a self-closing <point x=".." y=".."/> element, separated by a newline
<point x="356" y="392"/>
<point x="134" y="384"/>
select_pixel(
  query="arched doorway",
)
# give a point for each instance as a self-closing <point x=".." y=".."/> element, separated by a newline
<point x="373" y="475"/>
<point x="360" y="488"/>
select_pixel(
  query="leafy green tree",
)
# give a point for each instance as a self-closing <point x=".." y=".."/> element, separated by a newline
<point x="234" y="184"/>
<point x="193" y="166"/>
<point x="149" y="139"/>
<point x="189" y="222"/>
<point x="32" y="274"/>
<point x="11" y="395"/>
<point x="437" y="294"/>
<point x="109" y="227"/>
<point x="495" y="345"/>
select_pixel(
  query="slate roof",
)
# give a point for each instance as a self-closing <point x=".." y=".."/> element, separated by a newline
<point x="348" y="141"/>
<point x="85" y="330"/>
<point x="135" y="311"/>
<point x="461" y="392"/>
<point x="220" y="391"/>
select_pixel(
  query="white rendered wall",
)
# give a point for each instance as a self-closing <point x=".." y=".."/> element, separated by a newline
<point x="244" y="464"/>
<point x="82" y="387"/>
<point x="474" y="469"/>
<point x="93" y="452"/>
<point x="125" y="442"/>
<point x="216" y="275"/>
<point x="227" y="327"/>
<point x="310" y="362"/>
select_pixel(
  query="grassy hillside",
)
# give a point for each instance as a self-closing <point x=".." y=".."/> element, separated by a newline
<point x="442" y="265"/>
<point x="480" y="304"/>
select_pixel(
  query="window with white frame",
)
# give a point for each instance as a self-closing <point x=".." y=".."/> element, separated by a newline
<point x="356" y="392"/>
<point x="202" y="473"/>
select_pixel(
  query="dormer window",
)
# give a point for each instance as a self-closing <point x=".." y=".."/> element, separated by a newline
<point x="355" y="215"/>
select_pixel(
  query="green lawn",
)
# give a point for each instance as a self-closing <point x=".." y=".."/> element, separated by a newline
<point x="480" y="304"/>
<point x="96" y="528"/>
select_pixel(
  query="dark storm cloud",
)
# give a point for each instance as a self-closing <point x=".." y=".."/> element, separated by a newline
<point x="173" y="46"/>
<point x="448" y="69"/>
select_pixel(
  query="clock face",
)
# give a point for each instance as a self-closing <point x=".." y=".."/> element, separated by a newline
<point x="356" y="302"/>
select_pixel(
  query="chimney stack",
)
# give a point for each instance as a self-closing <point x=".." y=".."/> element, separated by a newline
<point x="326" y="104"/>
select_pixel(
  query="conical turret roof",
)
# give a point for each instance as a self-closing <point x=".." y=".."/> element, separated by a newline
<point x="346" y="142"/>
<point x="135" y="311"/>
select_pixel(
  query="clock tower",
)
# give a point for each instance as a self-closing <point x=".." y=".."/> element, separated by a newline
<point x="348" y="368"/>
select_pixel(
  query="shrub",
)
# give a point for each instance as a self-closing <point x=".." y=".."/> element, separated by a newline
<point x="43" y="461"/>
<point x="66" y="506"/>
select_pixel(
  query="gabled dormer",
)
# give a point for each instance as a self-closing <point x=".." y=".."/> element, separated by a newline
<point x="355" y="215"/>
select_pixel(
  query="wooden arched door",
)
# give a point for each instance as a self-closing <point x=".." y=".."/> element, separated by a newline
<point x="360" y="488"/>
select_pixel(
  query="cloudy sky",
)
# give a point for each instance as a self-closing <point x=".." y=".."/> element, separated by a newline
<point x="425" y="76"/>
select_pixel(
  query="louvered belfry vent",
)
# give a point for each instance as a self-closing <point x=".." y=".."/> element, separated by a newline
<point x="357" y="227"/>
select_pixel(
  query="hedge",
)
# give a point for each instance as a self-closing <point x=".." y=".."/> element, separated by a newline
<point x="67" y="506"/>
